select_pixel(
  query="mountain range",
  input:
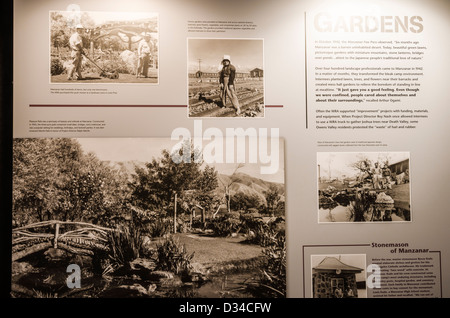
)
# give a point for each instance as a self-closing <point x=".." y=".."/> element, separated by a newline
<point x="238" y="182"/>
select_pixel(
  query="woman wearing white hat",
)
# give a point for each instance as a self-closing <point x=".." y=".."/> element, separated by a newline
<point x="227" y="76"/>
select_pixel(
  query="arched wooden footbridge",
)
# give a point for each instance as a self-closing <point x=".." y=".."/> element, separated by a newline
<point x="74" y="237"/>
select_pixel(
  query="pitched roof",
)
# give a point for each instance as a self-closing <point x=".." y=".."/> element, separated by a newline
<point x="332" y="263"/>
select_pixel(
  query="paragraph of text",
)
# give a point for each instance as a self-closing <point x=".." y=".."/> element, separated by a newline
<point x="65" y="126"/>
<point x="81" y="91"/>
<point x="366" y="84"/>
<point x="358" y="143"/>
<point x="219" y="26"/>
<point x="407" y="277"/>
<point x="369" y="118"/>
<point x="368" y="50"/>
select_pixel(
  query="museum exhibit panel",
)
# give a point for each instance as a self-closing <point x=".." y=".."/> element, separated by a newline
<point x="224" y="149"/>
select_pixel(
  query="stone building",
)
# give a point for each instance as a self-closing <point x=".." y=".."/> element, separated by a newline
<point x="331" y="274"/>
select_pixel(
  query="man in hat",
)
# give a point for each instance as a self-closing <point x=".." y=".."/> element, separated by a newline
<point x="226" y="80"/>
<point x="376" y="176"/>
<point x="143" y="53"/>
<point x="76" y="45"/>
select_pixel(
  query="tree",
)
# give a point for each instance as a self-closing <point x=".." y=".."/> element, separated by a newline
<point x="227" y="189"/>
<point x="163" y="180"/>
<point x="272" y="198"/>
<point x="59" y="32"/>
<point x="54" y="179"/>
<point x="203" y="195"/>
<point x="33" y="180"/>
<point x="243" y="201"/>
<point x="363" y="165"/>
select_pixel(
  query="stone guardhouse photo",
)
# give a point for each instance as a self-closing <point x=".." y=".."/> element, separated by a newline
<point x="331" y="278"/>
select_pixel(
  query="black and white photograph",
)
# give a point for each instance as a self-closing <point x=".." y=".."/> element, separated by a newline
<point x="339" y="276"/>
<point x="226" y="77"/>
<point x="119" y="217"/>
<point x="104" y="47"/>
<point x="364" y="187"/>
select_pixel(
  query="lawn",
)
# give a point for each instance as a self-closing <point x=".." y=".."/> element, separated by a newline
<point x="215" y="250"/>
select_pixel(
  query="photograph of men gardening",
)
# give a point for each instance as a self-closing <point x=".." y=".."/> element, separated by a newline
<point x="104" y="47"/>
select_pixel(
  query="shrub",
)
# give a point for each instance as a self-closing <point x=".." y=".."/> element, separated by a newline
<point x="264" y="233"/>
<point x="126" y="244"/>
<point x="273" y="273"/>
<point x="172" y="256"/>
<point x="57" y="67"/>
<point x="224" y="226"/>
<point x="115" y="64"/>
<point x="159" y="227"/>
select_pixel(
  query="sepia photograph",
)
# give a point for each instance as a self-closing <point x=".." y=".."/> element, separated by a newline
<point x="104" y="47"/>
<point x="118" y="217"/>
<point x="364" y="187"/>
<point x="225" y="77"/>
<point x="339" y="276"/>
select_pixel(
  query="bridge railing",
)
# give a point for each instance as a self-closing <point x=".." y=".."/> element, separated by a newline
<point x="79" y="240"/>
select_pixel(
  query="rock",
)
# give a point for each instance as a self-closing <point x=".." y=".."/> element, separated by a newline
<point x="142" y="263"/>
<point x="55" y="254"/>
<point x="159" y="275"/>
<point x="199" y="268"/>
<point x="124" y="291"/>
<point x="143" y="268"/>
<point x="331" y="189"/>
<point x="20" y="268"/>
<point x="151" y="288"/>
<point x="146" y="240"/>
<point x="193" y="277"/>
<point x="170" y="282"/>
<point x="81" y="260"/>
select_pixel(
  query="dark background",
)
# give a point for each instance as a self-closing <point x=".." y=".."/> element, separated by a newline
<point x="291" y="307"/>
<point x="6" y="49"/>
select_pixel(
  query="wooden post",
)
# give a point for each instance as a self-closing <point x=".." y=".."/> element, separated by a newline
<point x="175" y="215"/>
<point x="91" y="48"/>
<point x="55" y="241"/>
<point x="203" y="216"/>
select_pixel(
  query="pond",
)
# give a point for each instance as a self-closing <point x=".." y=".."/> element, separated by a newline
<point x="344" y="214"/>
<point x="50" y="282"/>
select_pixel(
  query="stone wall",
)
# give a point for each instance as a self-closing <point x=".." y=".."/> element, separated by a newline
<point x="322" y="284"/>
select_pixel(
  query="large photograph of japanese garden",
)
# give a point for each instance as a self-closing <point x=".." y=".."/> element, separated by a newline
<point x="364" y="187"/>
<point x="118" y="217"/>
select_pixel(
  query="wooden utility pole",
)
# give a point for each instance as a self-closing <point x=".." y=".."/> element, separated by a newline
<point x="175" y="215"/>
<point x="55" y="241"/>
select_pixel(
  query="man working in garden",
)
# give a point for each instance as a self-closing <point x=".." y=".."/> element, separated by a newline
<point x="226" y="80"/>
<point x="76" y="45"/>
<point x="143" y="56"/>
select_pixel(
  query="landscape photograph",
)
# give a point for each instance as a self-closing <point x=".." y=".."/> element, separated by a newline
<point x="117" y="217"/>
<point x="364" y="187"/>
